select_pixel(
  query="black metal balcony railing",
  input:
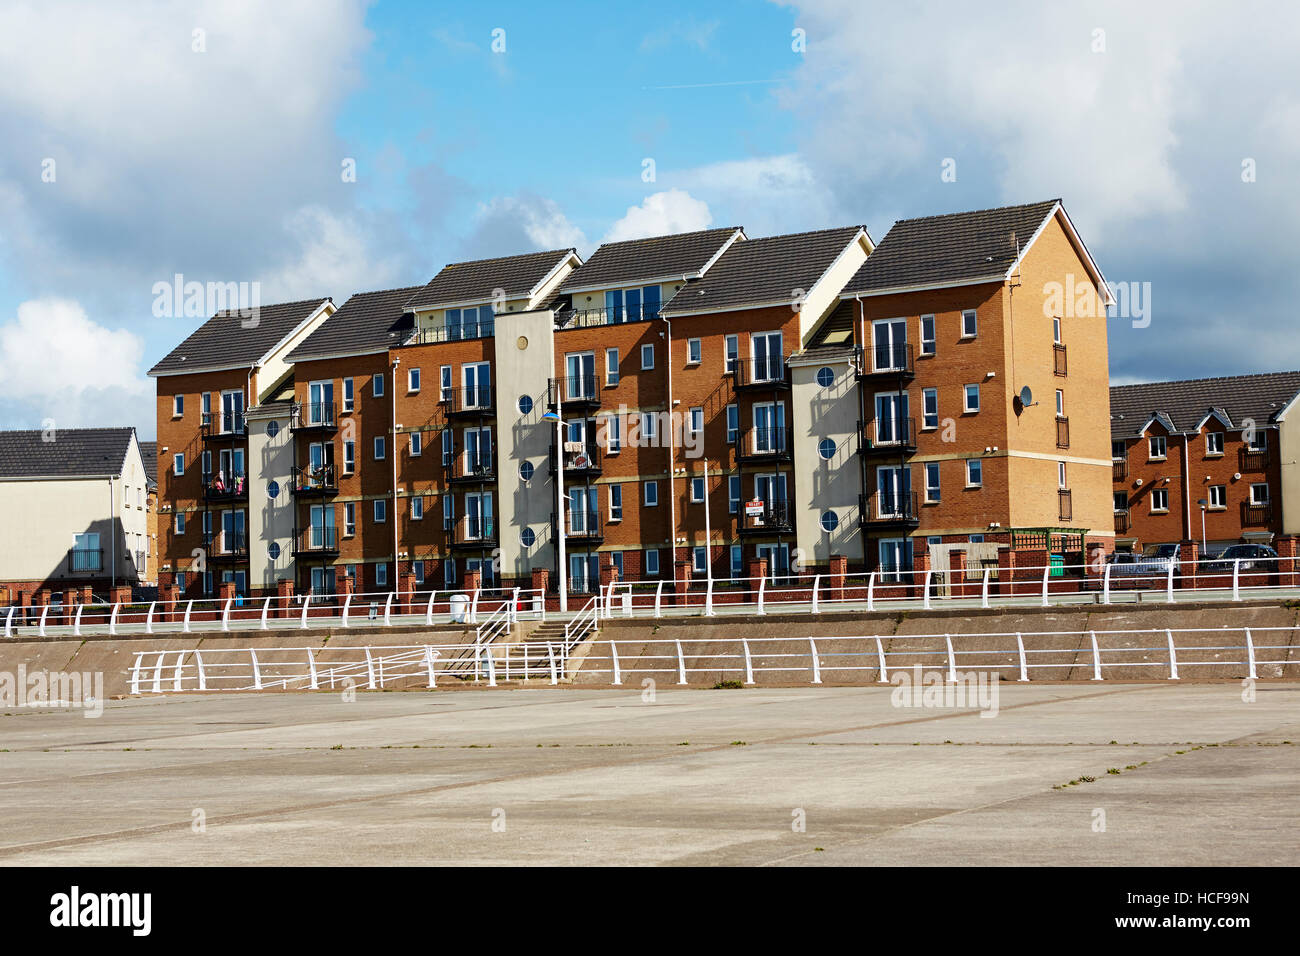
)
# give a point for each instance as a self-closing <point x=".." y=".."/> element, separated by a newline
<point x="1122" y="522"/>
<point x="762" y="372"/>
<point x="1253" y="459"/>
<point x="1062" y="432"/>
<point x="454" y="332"/>
<point x="887" y="436"/>
<point x="1119" y="470"/>
<point x="474" y="531"/>
<point x="581" y="525"/>
<point x="886" y="360"/>
<point x="221" y="487"/>
<point x="471" y="467"/>
<point x="222" y="424"/>
<point x="765" y="443"/>
<point x="85" y="560"/>
<point x="227" y="545"/>
<point x="1256" y="513"/>
<point x="892" y="509"/>
<point x="472" y="400"/>
<point x="314" y="480"/>
<point x="772" y="517"/>
<point x="580" y="459"/>
<point x="312" y="416"/>
<point x="574" y="390"/>
<point x="609" y="315"/>
<point x="316" y="540"/>
<point x="1065" y="504"/>
<point x="1058" y="355"/>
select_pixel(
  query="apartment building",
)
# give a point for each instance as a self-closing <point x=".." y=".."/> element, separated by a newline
<point x="74" y="511"/>
<point x="224" y="403"/>
<point x="1209" y="460"/>
<point x="672" y="406"/>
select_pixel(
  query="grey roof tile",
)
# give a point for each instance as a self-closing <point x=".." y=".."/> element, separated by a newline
<point x="74" y="453"/>
<point x="516" y="276"/>
<point x="639" y="260"/>
<point x="365" y="322"/>
<point x="1183" y="404"/>
<point x="224" y="341"/>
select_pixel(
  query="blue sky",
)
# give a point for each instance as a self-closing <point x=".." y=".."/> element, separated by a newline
<point x="207" y="138"/>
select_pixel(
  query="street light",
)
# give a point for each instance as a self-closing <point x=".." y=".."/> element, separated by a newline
<point x="559" y="508"/>
<point x="1203" y="503"/>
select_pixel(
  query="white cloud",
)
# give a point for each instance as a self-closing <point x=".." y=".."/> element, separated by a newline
<point x="509" y="225"/>
<point x="768" y="195"/>
<point x="333" y="259"/>
<point x="661" y="214"/>
<point x="57" y="363"/>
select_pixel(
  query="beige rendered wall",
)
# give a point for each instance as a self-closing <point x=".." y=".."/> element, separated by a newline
<point x="1288" y="441"/>
<point x="270" y="520"/>
<point x="824" y="296"/>
<point x="275" y="368"/>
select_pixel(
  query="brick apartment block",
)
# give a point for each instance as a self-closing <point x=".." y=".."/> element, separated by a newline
<point x="806" y="389"/>
<point x="1209" y="460"/>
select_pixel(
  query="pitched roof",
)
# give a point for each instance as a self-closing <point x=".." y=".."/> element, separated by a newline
<point x="764" y="271"/>
<point x="659" y="257"/>
<point x="231" y="340"/>
<point x="149" y="452"/>
<point x="366" y="322"/>
<point x="955" y="249"/>
<point x="476" y="281"/>
<point x="73" y="453"/>
<point x="1180" y="406"/>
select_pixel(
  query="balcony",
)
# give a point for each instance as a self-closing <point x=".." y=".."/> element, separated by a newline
<point x="887" y="437"/>
<point x="474" y="533"/>
<point x="455" y="332"/>
<point x="1064" y="504"/>
<point x="765" y="443"/>
<point x="1059" y="366"/>
<point x="581" y="460"/>
<point x="884" y="511"/>
<point x="1253" y="459"/>
<point x="472" y="401"/>
<point x="222" y="426"/>
<point x="313" y="417"/>
<point x="227" y="547"/>
<point x="317" y="541"/>
<point x="471" y="469"/>
<point x="583" y="527"/>
<point x="218" y="487"/>
<point x="573" y="391"/>
<point x="610" y="315"/>
<point x="886" y="362"/>
<point x="763" y="373"/>
<point x="85" y="560"/>
<point x="314" y="481"/>
<point x="1062" y="432"/>
<point x="1255" y="514"/>
<point x="1118" y="469"/>
<point x="1122" y="522"/>
<point x="760" y="517"/>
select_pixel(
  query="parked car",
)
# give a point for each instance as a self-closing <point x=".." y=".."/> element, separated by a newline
<point x="1257" y="560"/>
<point x="1154" y="562"/>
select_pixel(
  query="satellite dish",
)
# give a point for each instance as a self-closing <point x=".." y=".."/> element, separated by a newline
<point x="1026" y="397"/>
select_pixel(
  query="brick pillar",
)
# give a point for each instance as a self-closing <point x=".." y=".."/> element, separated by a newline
<point x="1188" y="561"/>
<point x="283" y="597"/>
<point x="471" y="581"/>
<point x="682" y="581"/>
<point x="541" y="580"/>
<point x="71" y="598"/>
<point x="1288" y="551"/>
<point x="25" y="606"/>
<point x="839" y="567"/>
<point x="1006" y="572"/>
<point x="957" y="573"/>
<point x="120" y="594"/>
<point x="225" y="591"/>
<point x="608" y="575"/>
<point x="39" y="601"/>
<point x="757" y="571"/>
<point x="406" y="594"/>
<point x="920" y="565"/>
<point x="169" y="594"/>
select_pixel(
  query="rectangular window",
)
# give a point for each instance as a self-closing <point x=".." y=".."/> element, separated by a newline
<point x="1259" y="494"/>
<point x="697" y="419"/>
<point x="379" y="448"/>
<point x="649" y="426"/>
<point x="381" y="574"/>
<point x="733" y="494"/>
<point x="1218" y="496"/>
<point x="697" y="490"/>
<point x="651" y="493"/>
<point x="974" y="473"/>
<point x="932" y="481"/>
<point x="417" y="444"/>
<point x="1060" y="403"/>
<point x="1061" y="482"/>
<point x="205" y="466"/>
<point x="1256" y="439"/>
<point x="930" y="407"/>
<point x="381" y="510"/>
<point x="1160" y="499"/>
<point x="413" y="380"/>
<point x="377" y="385"/>
<point x="647" y="357"/>
<point x="178" y="465"/>
<point x="611" y="366"/>
<point x="417" y="508"/>
<point x="694" y="353"/>
<point x="927" y="335"/>
<point x="700" y="559"/>
<point x="349" y="518"/>
<point x="1117" y="451"/>
<point x="651" y="562"/>
<point x="616" y="559"/>
<point x="178" y="406"/>
<point x="349" y="457"/>
<point x="972" y="401"/>
<point x="1156" y="448"/>
<point x="615" y="502"/>
<point x="448" y="437"/>
<point x="449" y="572"/>
<point x="448" y="507"/>
<point x="737" y="560"/>
<point x="444" y="383"/>
<point x="1214" y="443"/>
<point x="731" y="352"/>
<point x="349" y="394"/>
<point x="417" y="567"/>
<point x="733" y="423"/>
<point x="1056" y="330"/>
<point x="1119" y="501"/>
<point x="180" y="522"/>
<point x="969" y="324"/>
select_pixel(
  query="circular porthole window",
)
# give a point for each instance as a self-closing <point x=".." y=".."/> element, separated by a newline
<point x="521" y="343"/>
<point x="526" y="470"/>
<point x="825" y="377"/>
<point x="273" y="550"/>
<point x="273" y="489"/>
<point x="272" y="428"/>
<point x="826" y="448"/>
<point x="527" y="537"/>
<point x="525" y="404"/>
<point x="830" y="521"/>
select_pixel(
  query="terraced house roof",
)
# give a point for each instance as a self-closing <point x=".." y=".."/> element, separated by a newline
<point x="232" y="340"/>
<point x="72" y="453"/>
<point x="685" y="255"/>
<point x="478" y="281"/>
<point x="1181" y="406"/>
<point x="774" y="270"/>
<point x="366" y="322"/>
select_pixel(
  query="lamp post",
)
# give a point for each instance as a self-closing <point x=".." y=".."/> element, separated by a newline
<point x="560" y="528"/>
<point x="1203" y="503"/>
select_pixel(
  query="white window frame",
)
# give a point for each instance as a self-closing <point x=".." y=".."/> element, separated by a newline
<point x="444" y="383"/>
<point x="178" y="527"/>
<point x="377" y="385"/>
<point x="417" y="508"/>
<point x="650" y="426"/>
<point x="926" y="395"/>
<point x="1222" y="494"/>
<point x="412" y="381"/>
<point x="1151" y="447"/>
<point x="349" y="519"/>
<point x="178" y="464"/>
<point x="1160" y="493"/>
<point x="697" y="489"/>
<point x="928" y="345"/>
<point x="1060" y="403"/>
<point x="733" y="494"/>
<point x="380" y="448"/>
<point x="1254" y="499"/>
<point x="647" y="357"/>
<point x="1062" y="477"/>
<point x="381" y="574"/>
<point x="696" y="419"/>
<point x="178" y="406"/>
<point x="733" y="423"/>
<point x="379" y="511"/>
<point x="611" y="368"/>
<point x="932" y="467"/>
<point x="650" y="562"/>
<point x="349" y="394"/>
<point x="694" y="352"/>
<point x="615" y="502"/>
<point x="974" y="465"/>
<point x="1209" y="449"/>
<point x="966" y="406"/>
<point x="417" y="444"/>
<point x="649" y="491"/>
<point x="974" y="323"/>
<point x="730" y="354"/>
